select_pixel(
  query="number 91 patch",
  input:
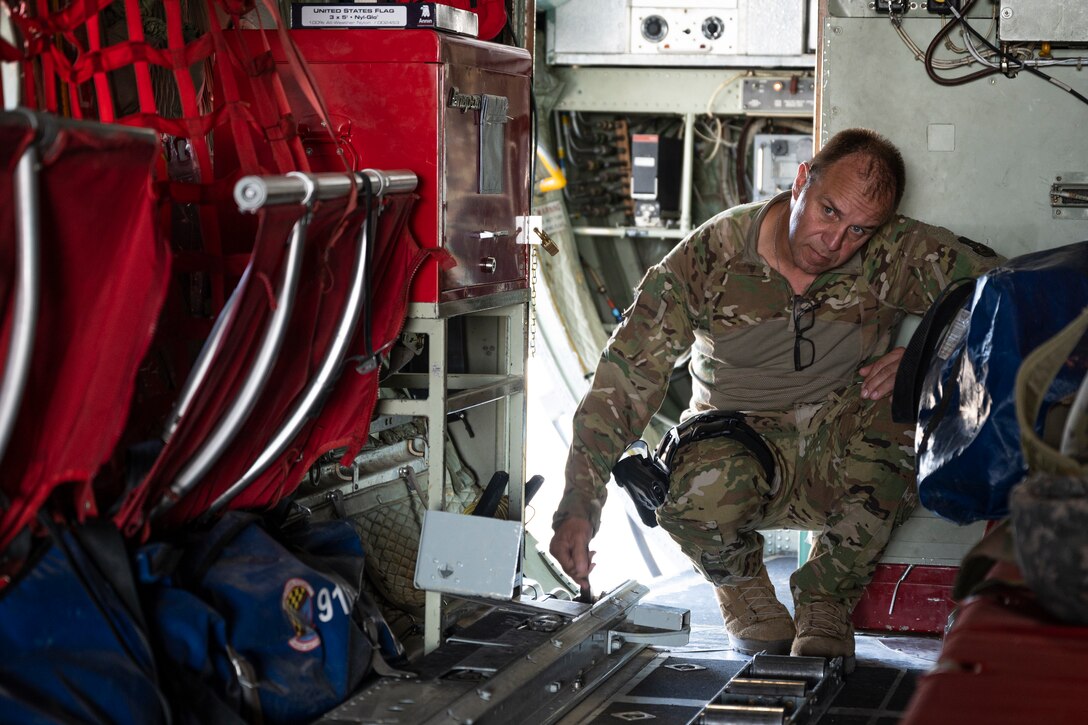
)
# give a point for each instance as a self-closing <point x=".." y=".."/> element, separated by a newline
<point x="298" y="604"/>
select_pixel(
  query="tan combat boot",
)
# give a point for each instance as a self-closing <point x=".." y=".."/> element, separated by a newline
<point x="824" y="629"/>
<point x="754" y="618"/>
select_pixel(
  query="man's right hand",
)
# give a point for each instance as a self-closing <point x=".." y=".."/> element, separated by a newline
<point x="570" y="547"/>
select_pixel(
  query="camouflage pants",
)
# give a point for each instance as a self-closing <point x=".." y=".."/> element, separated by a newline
<point x="844" y="470"/>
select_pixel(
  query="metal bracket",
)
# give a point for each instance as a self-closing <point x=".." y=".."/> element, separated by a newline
<point x="1069" y="196"/>
<point x="618" y="638"/>
<point x="524" y="225"/>
<point x="652" y="624"/>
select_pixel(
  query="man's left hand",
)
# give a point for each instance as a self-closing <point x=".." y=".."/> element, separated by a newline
<point x="880" y="375"/>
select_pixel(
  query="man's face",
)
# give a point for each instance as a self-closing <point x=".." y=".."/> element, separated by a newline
<point x="833" y="216"/>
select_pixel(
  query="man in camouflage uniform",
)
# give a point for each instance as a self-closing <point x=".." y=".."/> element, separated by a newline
<point x="789" y="307"/>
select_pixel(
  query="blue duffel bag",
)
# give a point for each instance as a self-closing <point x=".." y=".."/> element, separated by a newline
<point x="275" y="634"/>
<point x="968" y="439"/>
<point x="74" y="647"/>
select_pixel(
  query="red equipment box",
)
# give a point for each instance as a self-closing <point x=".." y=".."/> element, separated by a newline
<point x="456" y="112"/>
<point x="907" y="599"/>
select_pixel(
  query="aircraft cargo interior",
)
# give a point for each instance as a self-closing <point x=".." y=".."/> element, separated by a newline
<point x="691" y="362"/>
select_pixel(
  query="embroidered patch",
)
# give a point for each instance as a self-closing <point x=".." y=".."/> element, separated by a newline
<point x="298" y="605"/>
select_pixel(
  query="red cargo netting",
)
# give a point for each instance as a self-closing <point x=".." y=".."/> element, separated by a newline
<point x="192" y="72"/>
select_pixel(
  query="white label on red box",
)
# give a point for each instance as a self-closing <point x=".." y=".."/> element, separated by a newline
<point x="355" y="16"/>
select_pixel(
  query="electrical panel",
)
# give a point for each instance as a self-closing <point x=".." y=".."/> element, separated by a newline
<point x="644" y="166"/>
<point x="655" y="177"/>
<point x="1053" y="21"/>
<point x="751" y="33"/>
<point x="789" y="96"/>
<point x="942" y="7"/>
<point x="891" y="6"/>
<point x="657" y="27"/>
<point x="775" y="158"/>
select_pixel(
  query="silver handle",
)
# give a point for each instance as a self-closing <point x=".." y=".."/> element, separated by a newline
<point x="489" y="265"/>
<point x="493" y="234"/>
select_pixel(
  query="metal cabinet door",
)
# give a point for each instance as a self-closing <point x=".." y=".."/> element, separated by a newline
<point x="485" y="128"/>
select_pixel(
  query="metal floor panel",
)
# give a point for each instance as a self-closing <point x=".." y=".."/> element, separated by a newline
<point x="668" y="690"/>
<point x="686" y="678"/>
<point x="673" y="690"/>
<point x="662" y="685"/>
<point x="519" y="662"/>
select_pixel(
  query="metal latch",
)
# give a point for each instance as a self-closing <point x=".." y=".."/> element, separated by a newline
<point x="1069" y="196"/>
<point x="652" y="624"/>
<point x="530" y="230"/>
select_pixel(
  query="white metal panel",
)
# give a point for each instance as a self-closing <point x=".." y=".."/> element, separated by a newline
<point x="980" y="160"/>
<point x="925" y="538"/>
<point x="753" y="33"/>
<point x="468" y="555"/>
<point x="775" y="27"/>
<point x="599" y="26"/>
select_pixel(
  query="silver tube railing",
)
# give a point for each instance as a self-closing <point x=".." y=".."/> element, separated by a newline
<point x="253" y="192"/>
<point x="27" y="290"/>
<point x="382" y="183"/>
<point x="268" y="352"/>
<point x="204" y="360"/>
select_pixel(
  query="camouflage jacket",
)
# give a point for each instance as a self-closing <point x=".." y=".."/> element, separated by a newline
<point x="714" y="294"/>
